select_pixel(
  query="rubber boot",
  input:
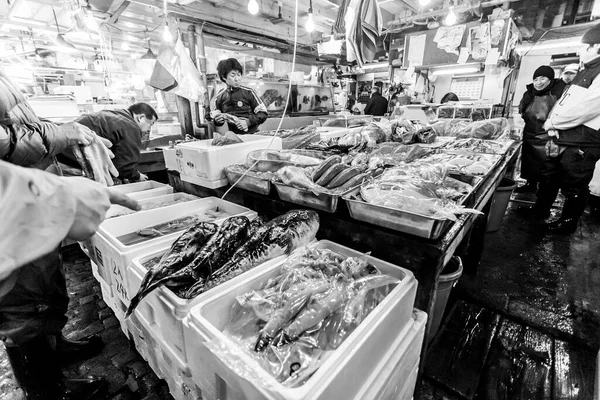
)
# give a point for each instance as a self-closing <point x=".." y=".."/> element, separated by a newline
<point x="572" y="211"/>
<point x="38" y="373"/>
<point x="70" y="351"/>
<point x="529" y="187"/>
<point x="541" y="210"/>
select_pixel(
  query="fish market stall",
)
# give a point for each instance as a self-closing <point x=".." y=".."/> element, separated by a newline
<point x="474" y="157"/>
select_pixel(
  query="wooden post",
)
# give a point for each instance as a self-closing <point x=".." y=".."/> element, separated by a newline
<point x="184" y="112"/>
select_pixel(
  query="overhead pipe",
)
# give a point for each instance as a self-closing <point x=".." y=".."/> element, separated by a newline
<point x="460" y="8"/>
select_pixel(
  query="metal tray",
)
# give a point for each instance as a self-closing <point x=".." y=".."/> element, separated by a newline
<point x="404" y="221"/>
<point x="323" y="202"/>
<point x="248" y="182"/>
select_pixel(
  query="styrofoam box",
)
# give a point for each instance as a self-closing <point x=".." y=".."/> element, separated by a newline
<point x="148" y="194"/>
<point x="167" y="310"/>
<point x="117" y="211"/>
<point x="165" y="364"/>
<point x="196" y="180"/>
<point x="114" y="256"/>
<point x="391" y="379"/>
<point x="173" y="161"/>
<point x="339" y="377"/>
<point x="137" y="187"/>
<point x="206" y="161"/>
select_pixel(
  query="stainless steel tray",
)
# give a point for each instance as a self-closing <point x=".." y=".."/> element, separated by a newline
<point x="322" y="202"/>
<point x="401" y="221"/>
<point x="248" y="182"/>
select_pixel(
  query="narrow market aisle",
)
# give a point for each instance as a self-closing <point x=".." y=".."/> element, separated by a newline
<point x="527" y="325"/>
<point x="128" y="375"/>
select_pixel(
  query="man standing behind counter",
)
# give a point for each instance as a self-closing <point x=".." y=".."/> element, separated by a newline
<point x="237" y="106"/>
<point x="124" y="129"/>
<point x="377" y="104"/>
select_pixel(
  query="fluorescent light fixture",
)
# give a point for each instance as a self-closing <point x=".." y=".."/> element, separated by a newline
<point x="467" y="69"/>
<point x="550" y="44"/>
<point x="375" y="65"/>
<point x="332" y="3"/>
<point x="385" y="1"/>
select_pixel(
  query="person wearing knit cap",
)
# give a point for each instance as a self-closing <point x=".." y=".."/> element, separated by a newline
<point x="534" y="107"/>
<point x="569" y="73"/>
<point x="575" y="145"/>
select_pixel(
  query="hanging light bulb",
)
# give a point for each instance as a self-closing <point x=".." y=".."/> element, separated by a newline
<point x="253" y="7"/>
<point x="167" y="37"/>
<point x="125" y="45"/>
<point x="423" y="3"/>
<point x="451" y="17"/>
<point x="310" y="23"/>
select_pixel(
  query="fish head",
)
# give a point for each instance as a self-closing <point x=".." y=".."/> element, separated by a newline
<point x="238" y="222"/>
<point x="300" y="226"/>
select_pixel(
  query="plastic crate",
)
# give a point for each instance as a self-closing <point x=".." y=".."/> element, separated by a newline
<point x="202" y="159"/>
<point x="393" y="378"/>
<point x="165" y="309"/>
<point x="340" y="376"/>
<point x="114" y="257"/>
<point x="117" y="211"/>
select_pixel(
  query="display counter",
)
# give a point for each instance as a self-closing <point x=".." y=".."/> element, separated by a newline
<point x="425" y="258"/>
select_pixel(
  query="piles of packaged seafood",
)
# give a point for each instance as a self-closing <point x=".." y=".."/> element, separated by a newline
<point x="306" y="311"/>
<point x="207" y="255"/>
<point x="425" y="189"/>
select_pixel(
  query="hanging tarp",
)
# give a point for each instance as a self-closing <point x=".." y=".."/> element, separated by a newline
<point x="364" y="25"/>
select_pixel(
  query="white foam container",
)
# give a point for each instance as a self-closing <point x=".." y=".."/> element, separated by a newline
<point x="340" y="376"/>
<point x="396" y="375"/>
<point x="138" y="187"/>
<point x="115" y="257"/>
<point x="165" y="309"/>
<point x="211" y="184"/>
<point x="173" y="160"/>
<point x="203" y="160"/>
<point x="165" y="364"/>
<point x="117" y="211"/>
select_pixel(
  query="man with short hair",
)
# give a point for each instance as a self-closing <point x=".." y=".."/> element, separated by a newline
<point x="237" y="106"/>
<point x="377" y="104"/>
<point x="124" y="129"/>
<point x="569" y="73"/>
<point x="571" y="164"/>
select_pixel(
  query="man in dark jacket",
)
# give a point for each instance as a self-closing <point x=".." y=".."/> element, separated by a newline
<point x="124" y="129"/>
<point x="33" y="298"/>
<point x="575" y="145"/>
<point x="377" y="104"/>
<point x="237" y="106"/>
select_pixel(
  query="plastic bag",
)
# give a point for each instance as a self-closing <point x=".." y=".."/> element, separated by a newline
<point x="490" y="129"/>
<point x="291" y="325"/>
<point x="178" y="63"/>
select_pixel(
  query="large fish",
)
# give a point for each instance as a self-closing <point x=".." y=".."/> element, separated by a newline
<point x="280" y="236"/>
<point x="181" y="253"/>
<point x="220" y="247"/>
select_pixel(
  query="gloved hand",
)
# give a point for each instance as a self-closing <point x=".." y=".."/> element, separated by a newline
<point x="242" y="124"/>
<point x="76" y="133"/>
<point x="553" y="133"/>
<point x="143" y="177"/>
<point x="92" y="202"/>
<point x="95" y="160"/>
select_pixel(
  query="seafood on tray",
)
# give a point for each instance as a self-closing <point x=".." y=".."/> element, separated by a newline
<point x="207" y="255"/>
<point x="425" y="190"/>
<point x="308" y="307"/>
<point x="478" y="145"/>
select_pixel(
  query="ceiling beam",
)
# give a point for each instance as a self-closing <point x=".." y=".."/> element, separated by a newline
<point x="115" y="16"/>
<point x="211" y="12"/>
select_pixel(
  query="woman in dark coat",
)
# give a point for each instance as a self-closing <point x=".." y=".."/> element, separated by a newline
<point x="534" y="107"/>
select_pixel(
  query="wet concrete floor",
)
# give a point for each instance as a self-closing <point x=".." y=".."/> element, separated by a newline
<point x="546" y="282"/>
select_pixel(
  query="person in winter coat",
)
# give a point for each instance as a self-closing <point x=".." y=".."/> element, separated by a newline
<point x="33" y="297"/>
<point x="534" y="107"/>
<point x="569" y="73"/>
<point x="575" y="146"/>
<point x="377" y="104"/>
<point x="124" y="129"/>
<point x="238" y="106"/>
